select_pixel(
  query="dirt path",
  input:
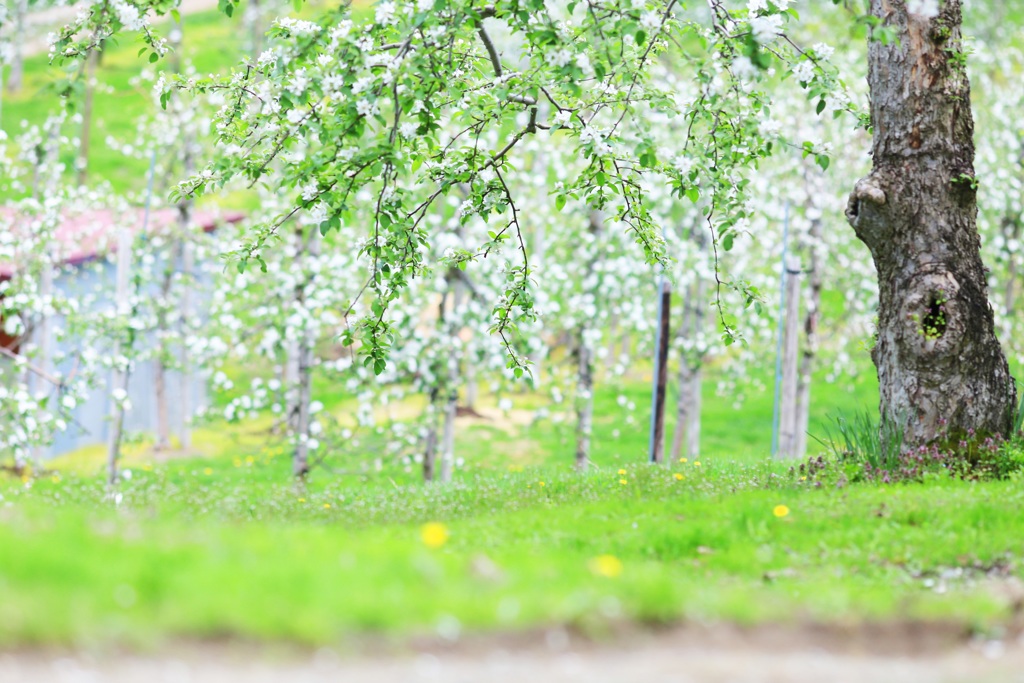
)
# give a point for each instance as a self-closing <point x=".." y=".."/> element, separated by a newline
<point x="680" y="656"/>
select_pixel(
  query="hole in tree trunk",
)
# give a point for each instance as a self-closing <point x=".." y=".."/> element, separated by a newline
<point x="935" y="320"/>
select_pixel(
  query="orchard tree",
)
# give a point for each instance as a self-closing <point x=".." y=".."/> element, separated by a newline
<point x="941" y="370"/>
<point x="372" y="118"/>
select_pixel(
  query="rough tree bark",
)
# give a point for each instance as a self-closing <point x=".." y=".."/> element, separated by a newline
<point x="941" y="371"/>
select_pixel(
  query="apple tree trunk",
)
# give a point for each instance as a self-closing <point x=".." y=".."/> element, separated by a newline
<point x="941" y="371"/>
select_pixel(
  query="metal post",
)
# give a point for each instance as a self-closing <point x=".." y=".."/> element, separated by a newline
<point x="660" y="378"/>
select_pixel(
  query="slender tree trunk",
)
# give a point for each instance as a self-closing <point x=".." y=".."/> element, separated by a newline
<point x="42" y="335"/>
<point x="697" y="357"/>
<point x="90" y="87"/>
<point x="448" y="436"/>
<point x="163" y="421"/>
<point x="254" y="20"/>
<point x="686" y="438"/>
<point x="188" y="267"/>
<point x="584" y="401"/>
<point x="430" y="446"/>
<point x="810" y="350"/>
<point x="451" y="383"/>
<point x="693" y="417"/>
<point x="119" y="383"/>
<point x="187" y="253"/>
<point x="683" y="403"/>
<point x="940" y="366"/>
<point x="585" y="352"/>
<point x="305" y="358"/>
<point x="790" y="360"/>
<point x="472" y="383"/>
<point x="17" y="57"/>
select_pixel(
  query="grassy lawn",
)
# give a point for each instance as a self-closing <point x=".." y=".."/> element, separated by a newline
<point x="201" y="548"/>
<point x="221" y="543"/>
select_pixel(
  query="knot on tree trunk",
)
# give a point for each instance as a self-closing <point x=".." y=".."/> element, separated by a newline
<point x="865" y="211"/>
<point x="933" y="323"/>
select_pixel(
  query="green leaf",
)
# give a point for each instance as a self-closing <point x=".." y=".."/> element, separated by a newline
<point x="153" y="57"/>
<point x="560" y="202"/>
<point x="823" y="161"/>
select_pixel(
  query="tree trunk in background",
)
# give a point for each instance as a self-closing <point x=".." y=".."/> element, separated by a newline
<point x="187" y="255"/>
<point x="472" y="383"/>
<point x="810" y="351"/>
<point x="940" y="366"/>
<point x="119" y="381"/>
<point x="584" y="401"/>
<point x="306" y="359"/>
<point x="163" y="421"/>
<point x="17" y="58"/>
<point x="90" y="83"/>
<point x="585" y="353"/>
<point x="430" y="447"/>
<point x="42" y="335"/>
<point x="683" y="402"/>
<point x="254" y="20"/>
<point x="687" y="431"/>
<point x="187" y="271"/>
<point x="448" y="435"/>
<point x="788" y="422"/>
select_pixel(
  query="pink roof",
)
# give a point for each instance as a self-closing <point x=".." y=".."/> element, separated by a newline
<point x="85" y="236"/>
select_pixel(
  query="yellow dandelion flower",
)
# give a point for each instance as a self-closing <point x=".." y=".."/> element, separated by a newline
<point x="327" y="506"/>
<point x="302" y="500"/>
<point x="683" y="460"/>
<point x="540" y="483"/>
<point x="623" y="482"/>
<point x="55" y="479"/>
<point x="208" y="471"/>
<point x="803" y="478"/>
<point x="434" y="534"/>
<point x="608" y="566"/>
<point x="696" y="463"/>
<point x="780" y="511"/>
<point x="249" y="460"/>
<point x="622" y="471"/>
<point x="679" y="477"/>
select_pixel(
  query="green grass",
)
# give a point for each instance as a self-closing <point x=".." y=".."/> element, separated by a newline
<point x="208" y="548"/>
